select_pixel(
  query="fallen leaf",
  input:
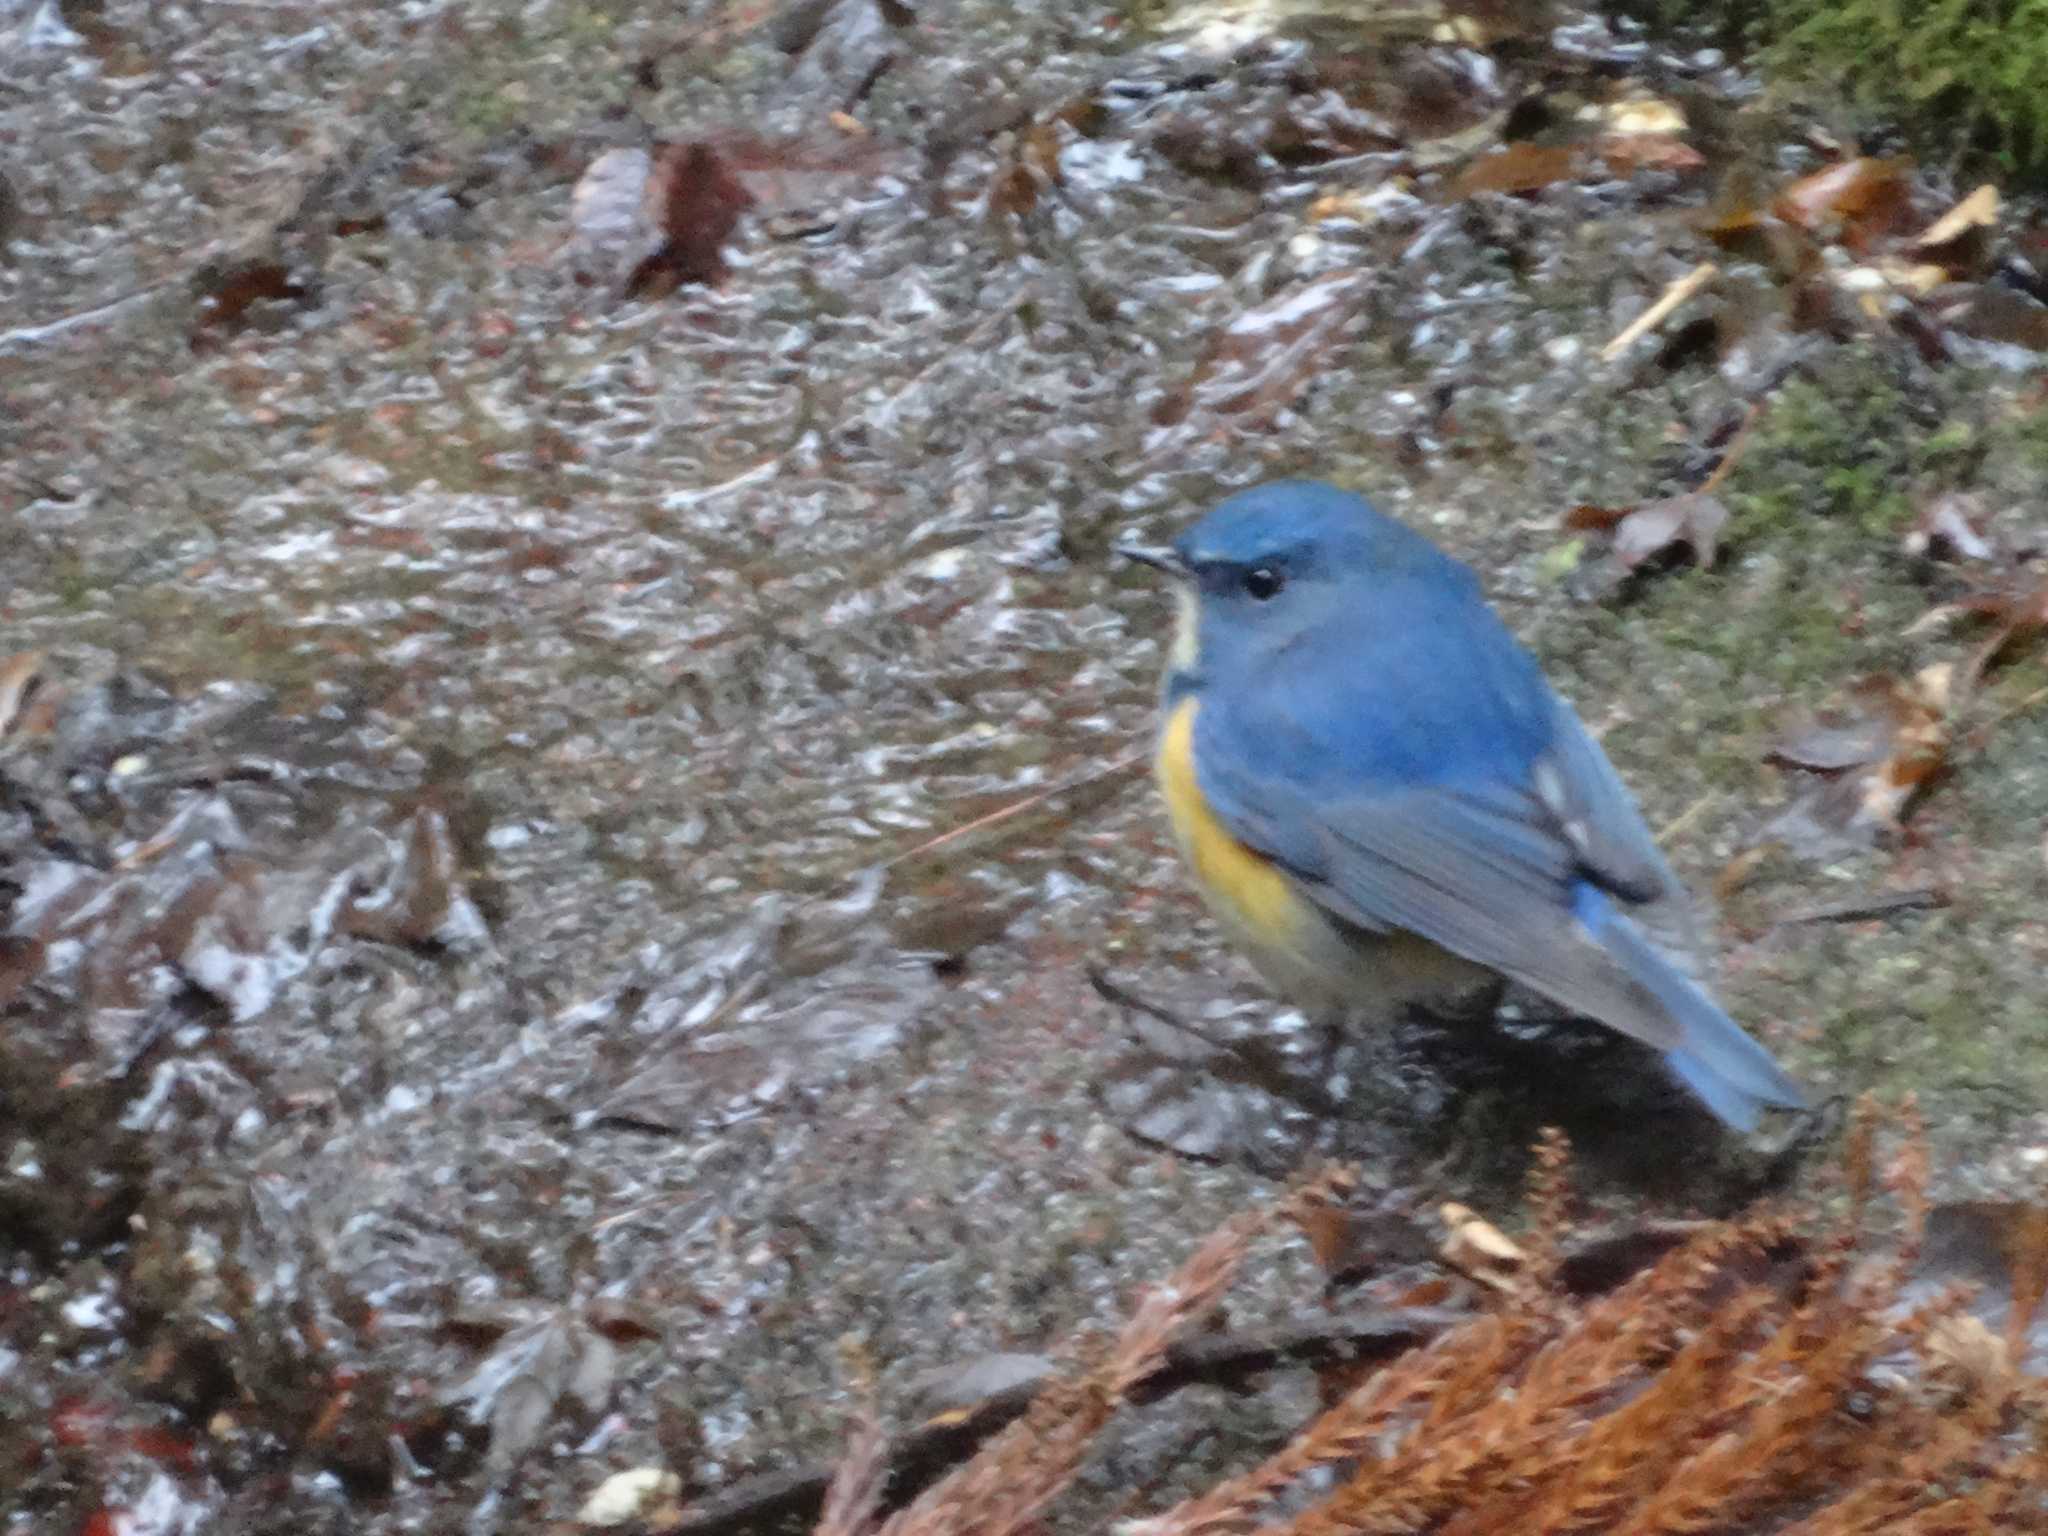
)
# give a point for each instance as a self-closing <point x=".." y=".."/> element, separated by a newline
<point x="2019" y="617"/>
<point x="1626" y="153"/>
<point x="798" y="185"/>
<point x="661" y="215"/>
<point x="695" y="202"/>
<point x="1977" y="211"/>
<point x="606" y="204"/>
<point x="1832" y="741"/>
<point x="1656" y="527"/>
<point x="18" y="677"/>
<point x="1854" y="200"/>
<point x="1874" y="754"/>
<point x="1476" y="1247"/>
<point x="1969" y="1354"/>
<point x="1948" y="528"/>
<point x="227" y="299"/>
<point x="2001" y="1248"/>
<point x="1517" y="168"/>
<point x="1736" y="873"/>
<point x="1888" y="275"/>
<point x="960" y="1387"/>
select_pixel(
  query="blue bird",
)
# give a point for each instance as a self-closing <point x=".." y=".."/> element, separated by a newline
<point x="1386" y="804"/>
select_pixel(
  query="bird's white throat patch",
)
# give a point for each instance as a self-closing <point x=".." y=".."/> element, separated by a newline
<point x="1187" y="644"/>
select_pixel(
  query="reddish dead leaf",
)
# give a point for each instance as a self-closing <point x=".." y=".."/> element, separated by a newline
<point x="1948" y="528"/>
<point x="1518" y="168"/>
<point x="1032" y="166"/>
<point x="1627" y="153"/>
<point x="2018" y="616"/>
<point x="1328" y="1230"/>
<point x="1857" y="200"/>
<point x="1258" y="363"/>
<point x="694" y="200"/>
<point x="230" y="297"/>
<point x="1875" y="753"/>
<point x="662" y="216"/>
<point x="621" y="1321"/>
<point x="1635" y="536"/>
<point x="1598" y="519"/>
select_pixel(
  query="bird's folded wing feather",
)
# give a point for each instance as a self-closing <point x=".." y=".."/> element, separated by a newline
<point x="1485" y="869"/>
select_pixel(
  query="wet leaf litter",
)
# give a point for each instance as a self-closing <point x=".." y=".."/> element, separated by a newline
<point x="428" y="784"/>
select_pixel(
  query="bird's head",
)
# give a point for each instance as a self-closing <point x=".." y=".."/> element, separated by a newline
<point x="1273" y="563"/>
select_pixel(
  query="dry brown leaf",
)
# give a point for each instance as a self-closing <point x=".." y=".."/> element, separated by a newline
<point x="1992" y="312"/>
<point x="1626" y="153"/>
<point x="18" y="676"/>
<point x="2018" y="617"/>
<point x="1475" y="1246"/>
<point x="1516" y="168"/>
<point x="1977" y="211"/>
<point x="1874" y="753"/>
<point x="1857" y="200"/>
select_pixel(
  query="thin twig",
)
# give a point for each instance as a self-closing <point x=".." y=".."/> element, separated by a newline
<point x="1658" y="312"/>
<point x="1068" y="786"/>
<point x="1861" y="908"/>
<point x="1732" y="454"/>
<point x="1223" y="1359"/>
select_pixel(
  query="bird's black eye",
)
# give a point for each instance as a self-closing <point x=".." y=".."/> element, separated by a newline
<point x="1262" y="582"/>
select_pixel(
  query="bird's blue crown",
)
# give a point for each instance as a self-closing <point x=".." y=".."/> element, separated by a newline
<point x="1310" y="528"/>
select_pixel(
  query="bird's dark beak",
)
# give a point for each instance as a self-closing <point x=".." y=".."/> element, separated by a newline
<point x="1158" y="556"/>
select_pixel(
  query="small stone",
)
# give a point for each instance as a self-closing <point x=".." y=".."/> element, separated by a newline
<point x="629" y="1495"/>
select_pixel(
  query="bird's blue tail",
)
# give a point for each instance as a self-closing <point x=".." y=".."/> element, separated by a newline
<point x="1729" y="1072"/>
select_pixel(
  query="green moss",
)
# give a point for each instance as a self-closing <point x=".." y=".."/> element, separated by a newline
<point x="1945" y="64"/>
<point x="1969" y="74"/>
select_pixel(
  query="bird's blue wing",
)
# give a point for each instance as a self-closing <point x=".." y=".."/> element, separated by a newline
<point x="1482" y="875"/>
<point x="1490" y="823"/>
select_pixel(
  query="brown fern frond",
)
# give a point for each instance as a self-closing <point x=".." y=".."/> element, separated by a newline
<point x="1468" y="1358"/>
<point x="2026" y="1256"/>
<point x="1950" y="1517"/>
<point x="1774" y="1450"/>
<point x="1025" y="1467"/>
<point x="1721" y="1388"/>
<point x="1509" y="1439"/>
<point x="1550" y="1207"/>
<point x="856" y="1491"/>
<point x="2015" y="1494"/>
<point x="1859" y="1161"/>
<point x="1873" y="1508"/>
<point x="1627" y="1451"/>
<point x="1907" y="1180"/>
